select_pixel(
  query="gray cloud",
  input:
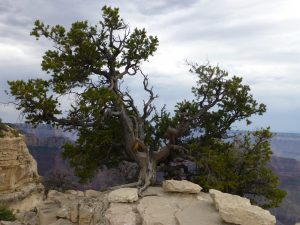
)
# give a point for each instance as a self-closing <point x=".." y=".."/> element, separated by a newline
<point x="257" y="40"/>
<point x="160" y="6"/>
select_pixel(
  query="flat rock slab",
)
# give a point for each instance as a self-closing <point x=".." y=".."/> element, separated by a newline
<point x="47" y="213"/>
<point x="199" y="213"/>
<point x="10" y="223"/>
<point x="237" y="210"/>
<point x="62" y="222"/>
<point x="122" y="214"/>
<point x="123" y="195"/>
<point x="156" y="210"/>
<point x="182" y="186"/>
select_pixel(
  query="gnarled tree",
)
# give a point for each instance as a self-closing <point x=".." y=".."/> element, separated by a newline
<point x="89" y="64"/>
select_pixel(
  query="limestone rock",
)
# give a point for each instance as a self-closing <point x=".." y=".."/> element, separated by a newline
<point x="47" y="213"/>
<point x="182" y="186"/>
<point x="27" y="218"/>
<point x="72" y="206"/>
<point x="18" y="174"/>
<point x="91" y="193"/>
<point x="88" y="207"/>
<point x="63" y="213"/>
<point x="167" y="208"/>
<point x="62" y="222"/>
<point x="123" y="195"/>
<point x="10" y="223"/>
<point x="71" y="192"/>
<point x="220" y="198"/>
<point x="237" y="210"/>
<point x="199" y="211"/>
<point x="157" y="210"/>
<point x="122" y="214"/>
<point x="161" y="208"/>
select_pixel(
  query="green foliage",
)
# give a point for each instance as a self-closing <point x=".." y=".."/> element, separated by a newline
<point x="88" y="65"/>
<point x="239" y="167"/>
<point x="228" y="99"/>
<point x="6" y="214"/>
<point x="60" y="181"/>
<point x="33" y="100"/>
<point x="94" y="148"/>
<point x="3" y="128"/>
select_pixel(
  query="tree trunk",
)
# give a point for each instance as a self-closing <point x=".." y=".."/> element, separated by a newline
<point x="146" y="158"/>
<point x="148" y="162"/>
<point x="148" y="170"/>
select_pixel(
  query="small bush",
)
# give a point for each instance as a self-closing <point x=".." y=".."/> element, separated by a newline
<point x="7" y="128"/>
<point x="2" y="128"/>
<point x="60" y="181"/>
<point x="6" y="214"/>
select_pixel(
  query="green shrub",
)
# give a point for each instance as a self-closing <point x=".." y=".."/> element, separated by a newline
<point x="2" y="128"/>
<point x="6" y="214"/>
<point x="7" y="128"/>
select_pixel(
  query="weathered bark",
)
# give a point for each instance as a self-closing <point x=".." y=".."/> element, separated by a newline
<point x="148" y="171"/>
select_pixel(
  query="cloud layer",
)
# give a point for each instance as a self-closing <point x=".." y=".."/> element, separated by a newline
<point x="258" y="40"/>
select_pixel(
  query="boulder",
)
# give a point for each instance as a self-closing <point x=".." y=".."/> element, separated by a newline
<point x="123" y="195"/>
<point x="237" y="210"/>
<point x="182" y="186"/>
<point x="122" y="214"/>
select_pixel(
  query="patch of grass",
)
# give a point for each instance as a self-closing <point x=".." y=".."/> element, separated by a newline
<point x="6" y="214"/>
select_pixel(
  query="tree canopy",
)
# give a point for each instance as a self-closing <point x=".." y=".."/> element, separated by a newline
<point x="89" y="64"/>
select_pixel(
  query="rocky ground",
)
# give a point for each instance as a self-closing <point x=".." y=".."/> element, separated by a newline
<point x="176" y="203"/>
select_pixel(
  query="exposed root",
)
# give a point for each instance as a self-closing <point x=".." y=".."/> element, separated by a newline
<point x="143" y="188"/>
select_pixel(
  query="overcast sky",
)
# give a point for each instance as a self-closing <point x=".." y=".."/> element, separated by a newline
<point x="258" y="40"/>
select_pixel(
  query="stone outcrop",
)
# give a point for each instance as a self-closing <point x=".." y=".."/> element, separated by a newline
<point x="10" y="223"/>
<point x="62" y="222"/>
<point x="123" y="195"/>
<point x="73" y="207"/>
<point x="237" y="210"/>
<point x="20" y="184"/>
<point x="156" y="207"/>
<point x="182" y="186"/>
<point x="167" y="208"/>
<point x="120" y="214"/>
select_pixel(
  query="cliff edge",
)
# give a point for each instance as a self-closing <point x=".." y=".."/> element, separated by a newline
<point x="20" y="184"/>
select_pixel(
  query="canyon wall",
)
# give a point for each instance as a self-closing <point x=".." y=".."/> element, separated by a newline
<point x="19" y="179"/>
